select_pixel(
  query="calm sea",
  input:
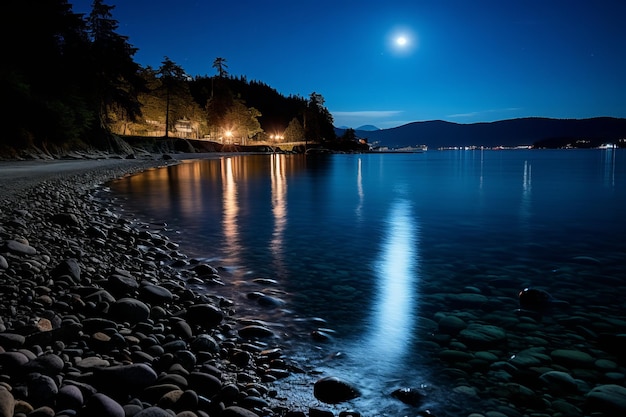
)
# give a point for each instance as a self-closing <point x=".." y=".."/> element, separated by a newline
<point x="372" y="243"/>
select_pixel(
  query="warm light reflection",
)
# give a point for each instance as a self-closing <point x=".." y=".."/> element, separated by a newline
<point x="279" y="208"/>
<point x="397" y="270"/>
<point x="231" y="211"/>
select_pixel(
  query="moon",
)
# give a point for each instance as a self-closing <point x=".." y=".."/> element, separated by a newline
<point x="401" y="41"/>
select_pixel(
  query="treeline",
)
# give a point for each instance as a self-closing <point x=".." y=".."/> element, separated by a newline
<point x="69" y="79"/>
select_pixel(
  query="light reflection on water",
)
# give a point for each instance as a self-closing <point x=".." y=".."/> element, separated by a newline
<point x="364" y="240"/>
<point x="396" y="269"/>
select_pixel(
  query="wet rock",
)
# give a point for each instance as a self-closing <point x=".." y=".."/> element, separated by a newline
<point x="482" y="335"/>
<point x="609" y="399"/>
<point x="333" y="390"/>
<point x="255" y="331"/>
<point x="410" y="396"/>
<point x="205" y="315"/>
<point x="559" y="382"/>
<point x="535" y="299"/>
<point x="451" y="325"/>
<point x="574" y="358"/>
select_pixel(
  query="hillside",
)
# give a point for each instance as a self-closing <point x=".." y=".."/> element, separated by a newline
<point x="513" y="132"/>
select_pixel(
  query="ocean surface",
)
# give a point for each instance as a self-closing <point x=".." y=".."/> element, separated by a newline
<point x="371" y="247"/>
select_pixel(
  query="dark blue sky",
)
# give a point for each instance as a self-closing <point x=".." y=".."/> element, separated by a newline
<point x="464" y="61"/>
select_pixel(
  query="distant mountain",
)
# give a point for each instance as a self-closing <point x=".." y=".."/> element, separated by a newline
<point x="512" y="132"/>
<point x="367" y="128"/>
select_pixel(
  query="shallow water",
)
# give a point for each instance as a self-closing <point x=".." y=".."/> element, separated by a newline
<point x="370" y="243"/>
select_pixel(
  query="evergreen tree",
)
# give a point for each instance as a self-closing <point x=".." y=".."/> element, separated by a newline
<point x="117" y="79"/>
<point x="173" y="79"/>
<point x="42" y="46"/>
<point x="294" y="131"/>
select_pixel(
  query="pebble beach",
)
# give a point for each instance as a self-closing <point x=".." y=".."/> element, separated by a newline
<point x="102" y="315"/>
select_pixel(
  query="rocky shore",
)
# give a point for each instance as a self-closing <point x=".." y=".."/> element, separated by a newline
<point x="101" y="316"/>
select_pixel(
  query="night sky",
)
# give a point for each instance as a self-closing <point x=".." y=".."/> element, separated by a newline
<point x="458" y="60"/>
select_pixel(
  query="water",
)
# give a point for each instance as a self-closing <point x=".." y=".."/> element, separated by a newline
<point x="370" y="242"/>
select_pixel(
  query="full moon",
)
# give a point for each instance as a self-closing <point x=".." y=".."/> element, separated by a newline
<point x="401" y="41"/>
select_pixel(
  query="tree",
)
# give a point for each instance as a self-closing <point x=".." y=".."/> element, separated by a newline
<point x="173" y="79"/>
<point x="294" y="131"/>
<point x="44" y="46"/>
<point x="242" y="121"/>
<point x="318" y="122"/>
<point x="117" y="80"/>
<point x="220" y="65"/>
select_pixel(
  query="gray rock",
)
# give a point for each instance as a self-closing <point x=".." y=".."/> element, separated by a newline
<point x="482" y="335"/>
<point x="559" y="382"/>
<point x="48" y="364"/>
<point x="255" y="331"/>
<point x="19" y="248"/>
<point x="130" y="378"/>
<point x="100" y="405"/>
<point x="569" y="357"/>
<point x="65" y="219"/>
<point x="68" y="267"/>
<point x="69" y="397"/>
<point x="153" y="412"/>
<point x="609" y="399"/>
<point x="236" y="411"/>
<point x="204" y="383"/>
<point x="451" y="325"/>
<point x="155" y="294"/>
<point x="42" y="390"/>
<point x="205" y="315"/>
<point x="7" y="402"/>
<point x="130" y="310"/>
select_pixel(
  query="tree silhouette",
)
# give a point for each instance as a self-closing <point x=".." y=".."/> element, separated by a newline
<point x="220" y="65"/>
<point x="172" y="77"/>
<point x="117" y="81"/>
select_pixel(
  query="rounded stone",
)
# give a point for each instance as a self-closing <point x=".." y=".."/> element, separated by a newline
<point x="609" y="399"/>
<point x="129" y="309"/>
<point x="100" y="405"/>
<point x="333" y="390"/>
<point x="236" y="411"/>
<point x="482" y="335"/>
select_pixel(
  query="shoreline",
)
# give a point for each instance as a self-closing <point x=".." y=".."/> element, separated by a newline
<point x="102" y="315"/>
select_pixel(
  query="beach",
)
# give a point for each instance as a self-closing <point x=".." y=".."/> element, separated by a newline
<point x="102" y="315"/>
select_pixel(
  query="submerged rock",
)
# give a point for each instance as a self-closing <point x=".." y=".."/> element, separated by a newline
<point x="410" y="396"/>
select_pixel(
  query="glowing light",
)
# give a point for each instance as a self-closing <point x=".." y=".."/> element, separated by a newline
<point x="401" y="41"/>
